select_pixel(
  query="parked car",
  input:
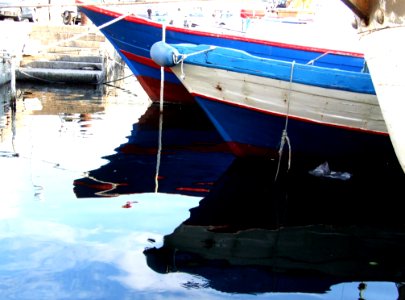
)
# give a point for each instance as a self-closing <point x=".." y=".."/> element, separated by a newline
<point x="9" y="10"/>
<point x="30" y="14"/>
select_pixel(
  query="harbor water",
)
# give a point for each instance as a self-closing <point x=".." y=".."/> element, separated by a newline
<point x="104" y="197"/>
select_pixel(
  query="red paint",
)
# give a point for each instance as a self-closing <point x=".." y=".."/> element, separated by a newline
<point x="173" y="93"/>
<point x="135" y="149"/>
<point x="96" y="186"/>
<point x="143" y="60"/>
<point x="129" y="204"/>
<point x="190" y="189"/>
<point x="243" y="150"/>
<point x="134" y="19"/>
<point x="252" y="13"/>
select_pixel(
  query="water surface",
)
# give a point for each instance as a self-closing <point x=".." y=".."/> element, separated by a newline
<point x="102" y="198"/>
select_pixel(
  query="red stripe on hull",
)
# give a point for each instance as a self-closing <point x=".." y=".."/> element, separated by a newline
<point x="190" y="189"/>
<point x="137" y="20"/>
<point x="244" y="150"/>
<point x="173" y="93"/>
<point x="96" y="186"/>
<point x="142" y="60"/>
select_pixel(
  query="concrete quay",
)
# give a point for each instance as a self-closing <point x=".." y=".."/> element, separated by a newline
<point x="55" y="53"/>
<point x="13" y="36"/>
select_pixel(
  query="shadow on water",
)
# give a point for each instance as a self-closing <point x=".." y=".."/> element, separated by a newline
<point x="191" y="157"/>
<point x="300" y="233"/>
<point x="258" y="228"/>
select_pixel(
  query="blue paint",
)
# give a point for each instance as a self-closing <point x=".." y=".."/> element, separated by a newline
<point x="163" y="54"/>
<point x="137" y="37"/>
<point x="244" y="126"/>
<point x="243" y="62"/>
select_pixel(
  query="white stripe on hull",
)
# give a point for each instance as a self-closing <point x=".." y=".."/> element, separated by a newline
<point x="316" y="104"/>
<point x="385" y="58"/>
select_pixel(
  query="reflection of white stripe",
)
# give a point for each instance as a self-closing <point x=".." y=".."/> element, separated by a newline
<point x="311" y="103"/>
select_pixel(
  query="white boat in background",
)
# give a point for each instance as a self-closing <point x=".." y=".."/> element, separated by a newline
<point x="381" y="26"/>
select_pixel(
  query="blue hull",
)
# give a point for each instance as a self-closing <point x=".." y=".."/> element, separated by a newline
<point x="133" y="37"/>
<point x="242" y="129"/>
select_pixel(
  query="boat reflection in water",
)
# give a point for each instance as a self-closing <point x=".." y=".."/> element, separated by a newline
<point x="260" y="229"/>
<point x="186" y="159"/>
<point x="297" y="234"/>
<point x="5" y="108"/>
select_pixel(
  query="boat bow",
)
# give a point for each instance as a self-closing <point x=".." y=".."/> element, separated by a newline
<point x="381" y="26"/>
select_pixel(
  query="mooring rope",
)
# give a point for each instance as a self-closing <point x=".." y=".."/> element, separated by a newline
<point x="179" y="59"/>
<point x="101" y="81"/>
<point x="85" y="33"/>
<point x="311" y="62"/>
<point x="106" y="192"/>
<point x="162" y="82"/>
<point x="284" y="136"/>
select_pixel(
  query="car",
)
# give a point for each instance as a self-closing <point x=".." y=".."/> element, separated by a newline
<point x="30" y="14"/>
<point x="9" y="10"/>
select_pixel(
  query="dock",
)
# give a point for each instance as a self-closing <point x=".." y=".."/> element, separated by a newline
<point x="55" y="53"/>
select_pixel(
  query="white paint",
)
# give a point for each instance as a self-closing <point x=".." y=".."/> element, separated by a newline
<point x="384" y="50"/>
<point x="316" y="104"/>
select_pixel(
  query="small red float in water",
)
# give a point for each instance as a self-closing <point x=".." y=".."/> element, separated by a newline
<point x="129" y="204"/>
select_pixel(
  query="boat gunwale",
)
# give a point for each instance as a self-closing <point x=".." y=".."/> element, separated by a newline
<point x="144" y="21"/>
<point x="217" y="57"/>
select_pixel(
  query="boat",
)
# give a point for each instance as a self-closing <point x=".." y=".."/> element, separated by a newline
<point x="122" y="31"/>
<point x="381" y="27"/>
<point x="264" y="107"/>
<point x="133" y="35"/>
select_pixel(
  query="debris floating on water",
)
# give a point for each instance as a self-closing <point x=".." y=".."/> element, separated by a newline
<point x="323" y="170"/>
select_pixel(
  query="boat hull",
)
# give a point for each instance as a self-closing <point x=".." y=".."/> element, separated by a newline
<point x="133" y="37"/>
<point x="387" y="68"/>
<point x="242" y="129"/>
<point x="253" y="105"/>
<point x="380" y="25"/>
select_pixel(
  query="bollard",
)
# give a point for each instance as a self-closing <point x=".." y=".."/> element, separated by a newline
<point x="13" y="78"/>
<point x="84" y="20"/>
